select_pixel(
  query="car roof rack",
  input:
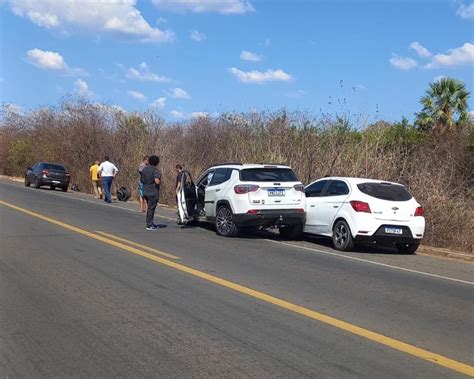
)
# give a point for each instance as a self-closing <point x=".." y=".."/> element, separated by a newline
<point x="227" y="164"/>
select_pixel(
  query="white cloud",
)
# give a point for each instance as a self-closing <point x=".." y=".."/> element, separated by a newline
<point x="180" y="115"/>
<point x="47" y="60"/>
<point x="137" y="95"/>
<point x="178" y="93"/>
<point x="206" y="6"/>
<point x="260" y="77"/>
<point x="471" y="115"/>
<point x="296" y="94"/>
<point x="466" y="11"/>
<point x="143" y="74"/>
<point x="422" y="51"/>
<point x="248" y="56"/>
<point x="460" y="56"/>
<point x="159" y="103"/>
<point x="82" y="87"/>
<point x="161" y="21"/>
<point x="197" y="36"/>
<point x="403" y="63"/>
<point x="115" y="17"/>
<point x="53" y="61"/>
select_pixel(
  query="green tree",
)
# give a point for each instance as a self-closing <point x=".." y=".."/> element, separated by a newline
<point x="444" y="106"/>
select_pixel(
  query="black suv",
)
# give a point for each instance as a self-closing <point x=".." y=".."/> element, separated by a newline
<point x="47" y="174"/>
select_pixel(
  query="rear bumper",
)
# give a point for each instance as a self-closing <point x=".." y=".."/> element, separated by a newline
<point x="382" y="238"/>
<point x="270" y="218"/>
<point x="55" y="182"/>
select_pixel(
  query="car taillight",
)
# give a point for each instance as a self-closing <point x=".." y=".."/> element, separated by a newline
<point x="252" y="211"/>
<point x="360" y="206"/>
<point x="245" y="188"/>
<point x="45" y="172"/>
<point x="68" y="175"/>
<point x="299" y="187"/>
<point x="419" y="211"/>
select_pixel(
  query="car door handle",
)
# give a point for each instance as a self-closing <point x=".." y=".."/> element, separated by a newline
<point x="335" y="206"/>
<point x="217" y="190"/>
<point x="312" y="206"/>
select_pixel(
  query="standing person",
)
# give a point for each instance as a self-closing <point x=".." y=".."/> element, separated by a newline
<point x="93" y="170"/>
<point x="151" y="179"/>
<point x="107" y="172"/>
<point x="179" y="176"/>
<point x="140" y="184"/>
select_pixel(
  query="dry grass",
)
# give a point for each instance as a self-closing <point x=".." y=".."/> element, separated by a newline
<point x="438" y="171"/>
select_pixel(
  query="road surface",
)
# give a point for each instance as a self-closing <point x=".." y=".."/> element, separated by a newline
<point x="86" y="291"/>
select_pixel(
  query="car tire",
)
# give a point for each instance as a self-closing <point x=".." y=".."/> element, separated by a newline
<point x="407" y="248"/>
<point x="37" y="183"/>
<point x="64" y="189"/>
<point x="225" y="223"/>
<point x="52" y="188"/>
<point x="342" y="236"/>
<point x="27" y="183"/>
<point x="294" y="232"/>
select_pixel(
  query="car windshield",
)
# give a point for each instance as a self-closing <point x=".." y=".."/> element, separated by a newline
<point x="55" y="167"/>
<point x="385" y="191"/>
<point x="268" y="175"/>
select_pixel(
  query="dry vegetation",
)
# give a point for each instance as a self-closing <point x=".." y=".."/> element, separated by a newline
<point x="437" y="170"/>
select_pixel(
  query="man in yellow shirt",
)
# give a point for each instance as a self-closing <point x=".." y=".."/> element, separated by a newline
<point x="96" y="180"/>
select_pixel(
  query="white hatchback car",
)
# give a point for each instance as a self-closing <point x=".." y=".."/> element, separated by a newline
<point x="357" y="210"/>
<point x="233" y="196"/>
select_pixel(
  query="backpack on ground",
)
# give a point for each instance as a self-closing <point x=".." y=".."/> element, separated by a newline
<point x="123" y="193"/>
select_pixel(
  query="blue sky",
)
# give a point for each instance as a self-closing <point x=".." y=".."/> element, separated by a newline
<point x="374" y="58"/>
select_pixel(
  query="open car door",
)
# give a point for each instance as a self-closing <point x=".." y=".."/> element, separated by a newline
<point x="187" y="199"/>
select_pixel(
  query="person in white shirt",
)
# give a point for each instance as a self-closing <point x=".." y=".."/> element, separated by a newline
<point x="107" y="171"/>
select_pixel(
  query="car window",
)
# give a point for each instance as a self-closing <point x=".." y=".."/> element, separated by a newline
<point x="337" y="188"/>
<point x="385" y="191"/>
<point x="55" y="167"/>
<point x="315" y="189"/>
<point x="221" y="175"/>
<point x="205" y="179"/>
<point x="268" y="174"/>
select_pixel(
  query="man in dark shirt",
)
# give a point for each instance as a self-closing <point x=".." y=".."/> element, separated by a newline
<point x="151" y="179"/>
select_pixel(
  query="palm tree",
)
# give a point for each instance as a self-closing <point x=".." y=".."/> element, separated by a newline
<point x="444" y="106"/>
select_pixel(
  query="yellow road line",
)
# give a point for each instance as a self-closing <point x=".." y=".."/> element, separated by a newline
<point x="138" y="245"/>
<point x="348" y="327"/>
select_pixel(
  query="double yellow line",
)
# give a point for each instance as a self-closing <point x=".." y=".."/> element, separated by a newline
<point x="348" y="327"/>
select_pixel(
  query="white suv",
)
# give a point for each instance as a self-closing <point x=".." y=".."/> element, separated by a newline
<point x="233" y="196"/>
<point x="352" y="210"/>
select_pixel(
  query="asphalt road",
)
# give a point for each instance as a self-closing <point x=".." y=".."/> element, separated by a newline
<point x="187" y="303"/>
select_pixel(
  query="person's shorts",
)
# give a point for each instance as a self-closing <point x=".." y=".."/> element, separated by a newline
<point x="98" y="183"/>
<point x="141" y="190"/>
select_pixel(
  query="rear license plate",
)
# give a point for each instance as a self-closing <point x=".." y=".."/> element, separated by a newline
<point x="276" y="192"/>
<point x="393" y="230"/>
<point x="56" y="181"/>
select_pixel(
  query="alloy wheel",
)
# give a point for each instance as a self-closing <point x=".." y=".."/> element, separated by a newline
<point x="224" y="221"/>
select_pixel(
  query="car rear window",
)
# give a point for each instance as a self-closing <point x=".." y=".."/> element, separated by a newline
<point x="55" y="167"/>
<point x="385" y="191"/>
<point x="268" y="175"/>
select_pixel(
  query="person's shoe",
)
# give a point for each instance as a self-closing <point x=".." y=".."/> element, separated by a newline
<point x="152" y="227"/>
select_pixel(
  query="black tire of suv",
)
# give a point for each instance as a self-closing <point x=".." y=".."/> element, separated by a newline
<point x="52" y="188"/>
<point x="27" y="183"/>
<point x="342" y="236"/>
<point x="37" y="183"/>
<point x="294" y="232"/>
<point x="64" y="189"/>
<point x="225" y="224"/>
<point x="407" y="248"/>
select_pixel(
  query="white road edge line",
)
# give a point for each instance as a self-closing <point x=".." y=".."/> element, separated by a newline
<point x="277" y="242"/>
<point x="373" y="262"/>
<point x="87" y="201"/>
